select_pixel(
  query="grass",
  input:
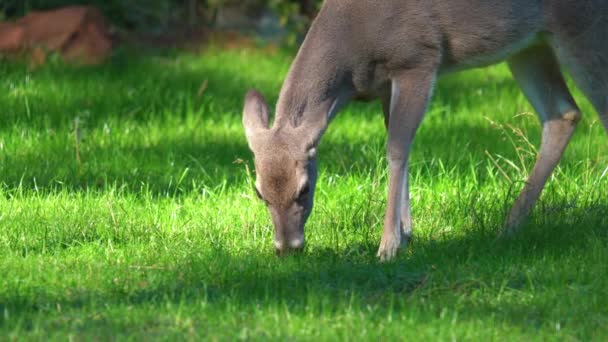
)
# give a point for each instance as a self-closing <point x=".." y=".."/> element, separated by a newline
<point x="127" y="212"/>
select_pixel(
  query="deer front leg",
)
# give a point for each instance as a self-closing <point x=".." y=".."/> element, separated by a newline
<point x="406" y="213"/>
<point x="409" y="97"/>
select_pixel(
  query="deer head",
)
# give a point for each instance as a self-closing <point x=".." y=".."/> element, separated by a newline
<point x="286" y="170"/>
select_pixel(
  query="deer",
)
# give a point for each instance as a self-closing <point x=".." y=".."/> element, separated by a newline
<point x="394" y="51"/>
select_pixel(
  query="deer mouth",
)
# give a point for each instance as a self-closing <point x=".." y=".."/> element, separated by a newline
<point x="293" y="246"/>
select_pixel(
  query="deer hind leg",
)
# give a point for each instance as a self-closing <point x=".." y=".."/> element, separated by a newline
<point x="538" y="74"/>
<point x="586" y="57"/>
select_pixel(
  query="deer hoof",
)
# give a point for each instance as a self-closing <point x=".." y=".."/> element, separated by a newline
<point x="388" y="249"/>
<point x="510" y="228"/>
<point x="406" y="236"/>
<point x="508" y="232"/>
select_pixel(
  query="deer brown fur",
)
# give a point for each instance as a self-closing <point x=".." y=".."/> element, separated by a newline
<point x="394" y="50"/>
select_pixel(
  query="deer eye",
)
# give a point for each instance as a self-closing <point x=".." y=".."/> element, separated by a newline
<point x="304" y="192"/>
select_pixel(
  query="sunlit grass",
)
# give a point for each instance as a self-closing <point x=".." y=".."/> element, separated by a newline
<point x="127" y="210"/>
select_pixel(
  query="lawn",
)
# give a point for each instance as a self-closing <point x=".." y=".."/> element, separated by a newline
<point x="127" y="211"/>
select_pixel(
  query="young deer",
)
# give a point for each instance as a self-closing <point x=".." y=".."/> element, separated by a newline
<point x="394" y="50"/>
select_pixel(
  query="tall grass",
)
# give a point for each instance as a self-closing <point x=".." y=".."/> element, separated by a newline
<point x="127" y="211"/>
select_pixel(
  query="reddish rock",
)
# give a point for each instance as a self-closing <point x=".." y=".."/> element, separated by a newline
<point x="78" y="33"/>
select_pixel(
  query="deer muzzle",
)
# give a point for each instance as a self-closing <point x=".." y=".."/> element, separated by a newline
<point x="288" y="232"/>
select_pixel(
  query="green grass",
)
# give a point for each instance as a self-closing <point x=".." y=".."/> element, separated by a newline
<point x="153" y="230"/>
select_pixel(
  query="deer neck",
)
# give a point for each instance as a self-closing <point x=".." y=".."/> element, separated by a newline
<point x="318" y="82"/>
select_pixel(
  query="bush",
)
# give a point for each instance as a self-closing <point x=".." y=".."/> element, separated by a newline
<point x="151" y="15"/>
<point x="132" y="14"/>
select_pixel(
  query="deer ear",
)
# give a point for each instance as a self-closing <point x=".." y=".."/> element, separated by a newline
<point x="255" y="114"/>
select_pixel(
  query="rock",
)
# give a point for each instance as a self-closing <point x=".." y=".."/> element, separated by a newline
<point x="80" y="34"/>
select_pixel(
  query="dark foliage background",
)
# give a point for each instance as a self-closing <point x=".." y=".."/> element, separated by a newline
<point x="159" y="15"/>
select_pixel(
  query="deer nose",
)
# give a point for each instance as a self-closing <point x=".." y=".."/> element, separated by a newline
<point x="292" y="245"/>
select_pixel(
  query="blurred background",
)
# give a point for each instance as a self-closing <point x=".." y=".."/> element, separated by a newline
<point x="156" y="23"/>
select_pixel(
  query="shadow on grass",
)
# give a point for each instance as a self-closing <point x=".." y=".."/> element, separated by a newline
<point x="133" y="88"/>
<point x="136" y="87"/>
<point x="466" y="274"/>
<point x="144" y="88"/>
<point x="173" y="165"/>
